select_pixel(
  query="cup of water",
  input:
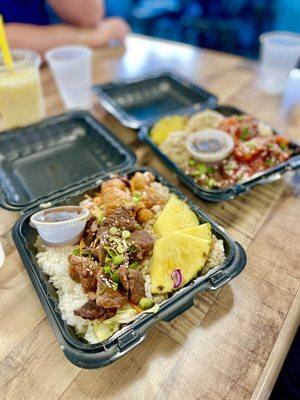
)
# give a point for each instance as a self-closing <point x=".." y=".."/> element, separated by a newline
<point x="72" y="70"/>
<point x="279" y="52"/>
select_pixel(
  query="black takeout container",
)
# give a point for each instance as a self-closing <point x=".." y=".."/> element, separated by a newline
<point x="141" y="102"/>
<point x="31" y="158"/>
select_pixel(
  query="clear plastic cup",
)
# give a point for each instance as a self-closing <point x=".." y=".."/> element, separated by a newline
<point x="21" y="98"/>
<point x="72" y="70"/>
<point x="279" y="52"/>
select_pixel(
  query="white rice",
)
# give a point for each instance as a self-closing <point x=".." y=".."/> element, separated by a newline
<point x="54" y="263"/>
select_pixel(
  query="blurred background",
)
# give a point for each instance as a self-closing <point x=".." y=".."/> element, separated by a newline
<point x="232" y="26"/>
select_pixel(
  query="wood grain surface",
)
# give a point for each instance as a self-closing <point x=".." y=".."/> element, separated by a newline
<point x="232" y="343"/>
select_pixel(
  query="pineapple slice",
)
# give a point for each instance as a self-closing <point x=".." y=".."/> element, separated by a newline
<point x="162" y="129"/>
<point x="201" y="231"/>
<point x="178" y="252"/>
<point x="176" y="216"/>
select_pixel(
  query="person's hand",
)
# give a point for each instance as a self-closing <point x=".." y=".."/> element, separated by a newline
<point x="108" y="31"/>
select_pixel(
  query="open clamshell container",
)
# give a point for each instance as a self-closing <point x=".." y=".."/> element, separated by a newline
<point x="55" y="163"/>
<point x="140" y="103"/>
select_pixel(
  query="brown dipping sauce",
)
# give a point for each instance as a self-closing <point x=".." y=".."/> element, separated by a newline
<point x="60" y="215"/>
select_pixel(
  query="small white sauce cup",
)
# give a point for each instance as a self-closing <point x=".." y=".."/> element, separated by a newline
<point x="60" y="233"/>
<point x="210" y="146"/>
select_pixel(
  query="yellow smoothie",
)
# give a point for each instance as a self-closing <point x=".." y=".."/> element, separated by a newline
<point x="21" y="100"/>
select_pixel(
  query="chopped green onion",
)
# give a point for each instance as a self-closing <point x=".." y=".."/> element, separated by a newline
<point x="76" y="251"/>
<point x="134" y="265"/>
<point x="115" y="277"/>
<point x="117" y="259"/>
<point x="210" y="170"/>
<point x="113" y="230"/>
<point x="195" y="173"/>
<point x="269" y="161"/>
<point x="283" y="146"/>
<point x="126" y="234"/>
<point x="120" y="249"/>
<point x="107" y="269"/>
<point x="245" y="133"/>
<point x="202" y="168"/>
<point x="115" y="286"/>
<point x="136" y="197"/>
<point x="146" y="303"/>
<point x="110" y="251"/>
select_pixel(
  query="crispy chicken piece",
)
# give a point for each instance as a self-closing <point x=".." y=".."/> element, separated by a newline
<point x="140" y="180"/>
<point x="92" y="311"/>
<point x="114" y="194"/>
<point x="153" y="196"/>
<point x="84" y="270"/>
<point x="143" y="215"/>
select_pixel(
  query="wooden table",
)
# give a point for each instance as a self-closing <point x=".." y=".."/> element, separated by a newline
<point x="232" y="343"/>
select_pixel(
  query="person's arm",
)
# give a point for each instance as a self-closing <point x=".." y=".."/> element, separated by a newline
<point x="85" y="13"/>
<point x="41" y="38"/>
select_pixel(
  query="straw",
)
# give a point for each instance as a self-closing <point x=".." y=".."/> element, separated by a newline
<point x="7" y="58"/>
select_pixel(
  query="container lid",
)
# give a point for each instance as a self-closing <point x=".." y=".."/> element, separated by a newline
<point x="144" y="100"/>
<point x="51" y="158"/>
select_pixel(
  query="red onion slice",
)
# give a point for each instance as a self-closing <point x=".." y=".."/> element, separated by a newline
<point x="177" y="278"/>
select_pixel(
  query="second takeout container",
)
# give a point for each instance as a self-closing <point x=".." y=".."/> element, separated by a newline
<point x="55" y="163"/>
<point x="139" y="103"/>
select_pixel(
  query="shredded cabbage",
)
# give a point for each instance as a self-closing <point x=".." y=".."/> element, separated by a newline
<point x="105" y="331"/>
<point x="122" y="317"/>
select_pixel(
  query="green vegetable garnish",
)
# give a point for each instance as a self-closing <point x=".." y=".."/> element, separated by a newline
<point x="115" y="286"/>
<point x="126" y="234"/>
<point x="117" y="259"/>
<point x="269" y="161"/>
<point x="210" y="170"/>
<point x="245" y="133"/>
<point x="100" y="217"/>
<point x="146" y="303"/>
<point x="211" y="183"/>
<point x="283" y="146"/>
<point x="113" y="230"/>
<point x="192" y="162"/>
<point x="136" y="197"/>
<point x="202" y="168"/>
<point x="107" y="269"/>
<point x="195" y="173"/>
<point x="112" y="252"/>
<point x="134" y="265"/>
<point x="76" y="251"/>
<point x="115" y="277"/>
<point x="120" y="249"/>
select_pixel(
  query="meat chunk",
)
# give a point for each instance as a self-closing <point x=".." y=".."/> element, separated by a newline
<point x="143" y="241"/>
<point x="92" y="311"/>
<point x="106" y="296"/>
<point x="123" y="218"/>
<point x="84" y="270"/>
<point x="132" y="281"/>
<point x="89" y="233"/>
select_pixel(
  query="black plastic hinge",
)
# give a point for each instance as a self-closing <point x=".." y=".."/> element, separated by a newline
<point x="128" y="340"/>
<point x="219" y="279"/>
